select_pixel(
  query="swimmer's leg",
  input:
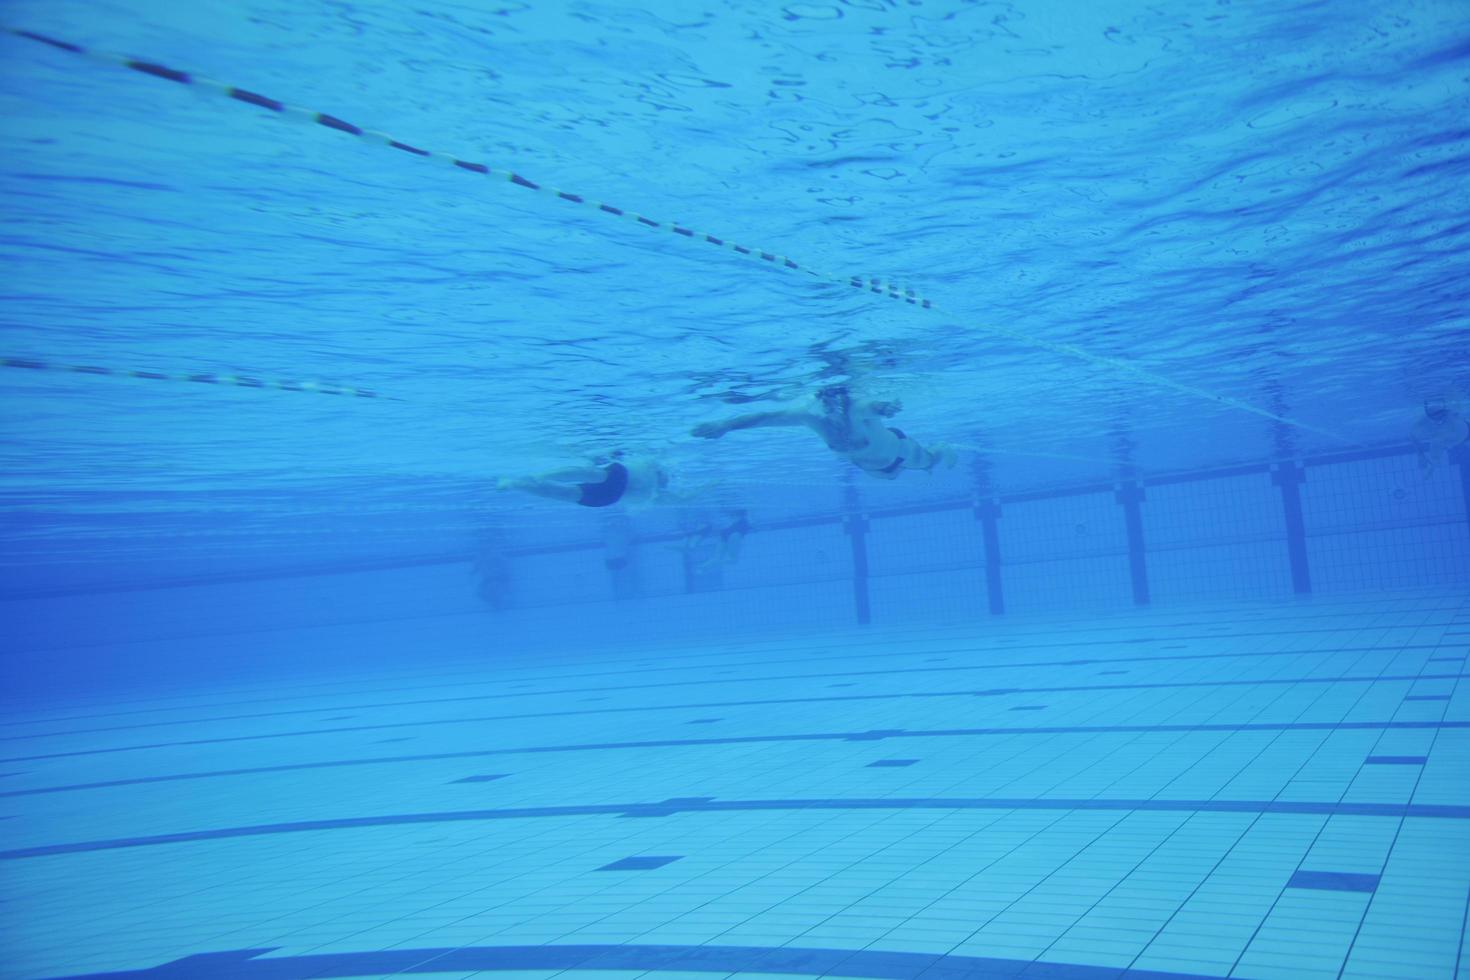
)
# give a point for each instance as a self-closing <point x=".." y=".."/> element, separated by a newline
<point x="540" y="487"/>
<point x="916" y="457"/>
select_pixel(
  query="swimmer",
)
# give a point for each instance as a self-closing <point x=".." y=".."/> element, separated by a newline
<point x="1441" y="428"/>
<point x="732" y="536"/>
<point x="636" y="481"/>
<point x="720" y="546"/>
<point x="855" y="430"/>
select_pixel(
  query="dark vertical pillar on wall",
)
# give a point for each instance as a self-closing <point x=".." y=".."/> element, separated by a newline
<point x="988" y="514"/>
<point x="1289" y="477"/>
<point x="1460" y="456"/>
<point x="857" y="535"/>
<point x="1130" y="495"/>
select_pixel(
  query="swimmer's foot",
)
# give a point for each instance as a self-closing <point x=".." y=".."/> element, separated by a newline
<point x="941" y="453"/>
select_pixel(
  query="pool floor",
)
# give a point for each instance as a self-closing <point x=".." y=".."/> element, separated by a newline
<point x="1245" y="791"/>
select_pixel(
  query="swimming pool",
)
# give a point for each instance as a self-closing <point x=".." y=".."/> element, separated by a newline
<point x="1159" y="676"/>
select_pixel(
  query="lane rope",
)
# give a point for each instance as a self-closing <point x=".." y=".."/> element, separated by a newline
<point x="377" y="137"/>
<point x="774" y="259"/>
<point x="227" y="380"/>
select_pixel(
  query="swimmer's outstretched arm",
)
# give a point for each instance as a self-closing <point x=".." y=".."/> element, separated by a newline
<point x="757" y="420"/>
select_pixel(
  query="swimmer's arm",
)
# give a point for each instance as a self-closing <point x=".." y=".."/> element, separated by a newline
<point x="756" y="420"/>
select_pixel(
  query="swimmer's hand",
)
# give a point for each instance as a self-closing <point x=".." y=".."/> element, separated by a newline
<point x="708" y="430"/>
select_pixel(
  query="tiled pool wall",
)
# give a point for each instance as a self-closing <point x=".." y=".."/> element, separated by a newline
<point x="1334" y="525"/>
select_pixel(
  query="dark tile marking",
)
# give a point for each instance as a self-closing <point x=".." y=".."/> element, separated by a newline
<point x="640" y="863"/>
<point x="667" y="808"/>
<point x="875" y="735"/>
<point x="1029" y="707"/>
<point x="385" y="741"/>
<point x="1396" y="760"/>
<point x="1334" y="881"/>
<point x="1427" y="697"/>
<point x="490" y="778"/>
<point x="936" y="660"/>
<point x="591" y="700"/>
<point x="1107" y="673"/>
<point x="891" y="763"/>
<point x="241" y="964"/>
<point x="842" y="685"/>
<point x="1321" y="726"/>
<point x="705" y="805"/>
<point x="704" y="721"/>
<point x="774" y="677"/>
<point x="340" y="718"/>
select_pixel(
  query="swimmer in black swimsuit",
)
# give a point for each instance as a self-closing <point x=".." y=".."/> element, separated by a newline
<point x="1440" y="429"/>
<point x="856" y="430"/>
<point x="597" y="486"/>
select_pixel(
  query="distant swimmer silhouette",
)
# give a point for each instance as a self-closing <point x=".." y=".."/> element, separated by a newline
<point x="857" y="430"/>
<point x="708" y="546"/>
<point x="633" y="481"/>
<point x="1441" y="428"/>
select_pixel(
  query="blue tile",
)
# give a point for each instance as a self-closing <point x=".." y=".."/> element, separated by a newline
<point x="891" y="763"/>
<point x="639" y="863"/>
<point x="1427" y="697"/>
<point x="483" y="779"/>
<point x="1334" y="881"/>
<point x="1396" y="760"/>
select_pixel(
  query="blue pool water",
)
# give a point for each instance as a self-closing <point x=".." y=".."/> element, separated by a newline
<point x="1159" y="679"/>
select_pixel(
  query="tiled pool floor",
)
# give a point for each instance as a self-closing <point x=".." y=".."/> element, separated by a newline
<point x="1250" y="791"/>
